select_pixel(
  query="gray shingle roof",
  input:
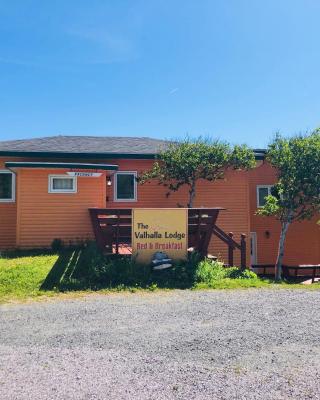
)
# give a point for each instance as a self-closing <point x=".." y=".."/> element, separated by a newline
<point x="89" y="146"/>
<point x="85" y="144"/>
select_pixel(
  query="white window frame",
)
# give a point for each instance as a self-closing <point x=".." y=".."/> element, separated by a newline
<point x="115" y="181"/>
<point x="263" y="187"/>
<point x="50" y="184"/>
<point x="13" y="187"/>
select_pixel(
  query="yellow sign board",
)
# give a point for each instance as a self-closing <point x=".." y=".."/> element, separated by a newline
<point x="159" y="230"/>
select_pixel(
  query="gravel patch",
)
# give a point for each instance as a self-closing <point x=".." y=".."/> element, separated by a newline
<point x="237" y="344"/>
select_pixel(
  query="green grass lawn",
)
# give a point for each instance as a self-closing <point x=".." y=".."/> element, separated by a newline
<point x="22" y="276"/>
<point x="34" y="274"/>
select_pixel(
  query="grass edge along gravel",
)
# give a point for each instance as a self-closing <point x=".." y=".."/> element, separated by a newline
<point x="69" y="273"/>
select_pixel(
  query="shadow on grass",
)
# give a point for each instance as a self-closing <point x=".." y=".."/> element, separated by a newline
<point x="63" y="267"/>
<point x="81" y="269"/>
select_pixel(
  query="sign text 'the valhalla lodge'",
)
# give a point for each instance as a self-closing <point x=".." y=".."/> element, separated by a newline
<point x="157" y="230"/>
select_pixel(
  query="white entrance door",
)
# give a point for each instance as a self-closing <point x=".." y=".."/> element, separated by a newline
<point x="253" y="248"/>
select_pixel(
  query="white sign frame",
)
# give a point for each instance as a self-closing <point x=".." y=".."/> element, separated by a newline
<point x="85" y="174"/>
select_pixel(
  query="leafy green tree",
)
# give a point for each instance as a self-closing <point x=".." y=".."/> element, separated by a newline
<point x="185" y="162"/>
<point x="296" y="195"/>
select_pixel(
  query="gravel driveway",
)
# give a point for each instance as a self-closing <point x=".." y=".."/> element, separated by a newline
<point x="247" y="344"/>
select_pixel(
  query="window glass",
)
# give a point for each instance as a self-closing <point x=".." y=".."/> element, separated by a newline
<point x="6" y="186"/>
<point x="126" y="183"/>
<point x="62" y="184"/>
<point x="263" y="192"/>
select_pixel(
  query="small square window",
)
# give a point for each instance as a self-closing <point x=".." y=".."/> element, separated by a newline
<point x="7" y="186"/>
<point x="262" y="193"/>
<point x="62" y="184"/>
<point x="125" y="186"/>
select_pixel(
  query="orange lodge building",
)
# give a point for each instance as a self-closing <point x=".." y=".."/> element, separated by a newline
<point x="48" y="184"/>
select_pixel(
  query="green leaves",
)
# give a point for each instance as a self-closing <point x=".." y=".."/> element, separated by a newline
<point x="242" y="157"/>
<point x="187" y="161"/>
<point x="297" y="161"/>
<point x="296" y="195"/>
<point x="271" y="206"/>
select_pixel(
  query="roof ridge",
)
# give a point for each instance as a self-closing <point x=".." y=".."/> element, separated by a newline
<point x="85" y="136"/>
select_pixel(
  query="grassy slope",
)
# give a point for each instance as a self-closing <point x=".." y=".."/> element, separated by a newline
<point x="21" y="277"/>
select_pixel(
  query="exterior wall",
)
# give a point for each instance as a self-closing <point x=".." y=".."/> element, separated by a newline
<point x="37" y="217"/>
<point x="303" y="238"/>
<point x="44" y="216"/>
<point x="8" y="216"/>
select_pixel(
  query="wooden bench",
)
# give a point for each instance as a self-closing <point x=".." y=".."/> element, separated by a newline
<point x="268" y="270"/>
<point x="303" y="267"/>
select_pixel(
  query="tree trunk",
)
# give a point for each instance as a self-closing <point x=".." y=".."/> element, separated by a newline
<point x="278" y="270"/>
<point x="192" y="194"/>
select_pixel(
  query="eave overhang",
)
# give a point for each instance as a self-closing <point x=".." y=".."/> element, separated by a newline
<point x="259" y="155"/>
<point x="58" y="154"/>
<point x="85" y="166"/>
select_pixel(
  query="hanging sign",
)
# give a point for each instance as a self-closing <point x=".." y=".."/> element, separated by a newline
<point x="85" y="174"/>
<point x="159" y="230"/>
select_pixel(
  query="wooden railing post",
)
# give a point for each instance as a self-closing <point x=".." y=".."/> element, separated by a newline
<point x="96" y="228"/>
<point x="243" y="251"/>
<point x="230" y="251"/>
<point x="117" y="232"/>
<point x="110" y="226"/>
<point x="201" y="221"/>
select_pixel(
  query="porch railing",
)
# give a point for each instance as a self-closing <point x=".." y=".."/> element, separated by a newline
<point x="113" y="228"/>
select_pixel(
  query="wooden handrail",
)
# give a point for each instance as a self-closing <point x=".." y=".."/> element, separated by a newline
<point x="232" y="245"/>
<point x="226" y="237"/>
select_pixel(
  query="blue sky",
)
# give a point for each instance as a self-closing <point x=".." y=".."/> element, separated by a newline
<point x="237" y="70"/>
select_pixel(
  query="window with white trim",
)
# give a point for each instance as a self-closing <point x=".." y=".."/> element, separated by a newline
<point x="62" y="184"/>
<point x="262" y="192"/>
<point x="7" y="186"/>
<point x="125" y="188"/>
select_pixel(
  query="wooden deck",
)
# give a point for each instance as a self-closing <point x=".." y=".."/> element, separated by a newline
<point x="113" y="231"/>
<point x="124" y="249"/>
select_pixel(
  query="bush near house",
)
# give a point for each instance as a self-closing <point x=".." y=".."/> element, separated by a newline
<point x="96" y="272"/>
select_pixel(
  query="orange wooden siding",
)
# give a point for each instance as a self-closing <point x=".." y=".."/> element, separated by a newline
<point x="302" y="244"/>
<point x="8" y="218"/>
<point x="41" y="216"/>
<point x="44" y="216"/>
